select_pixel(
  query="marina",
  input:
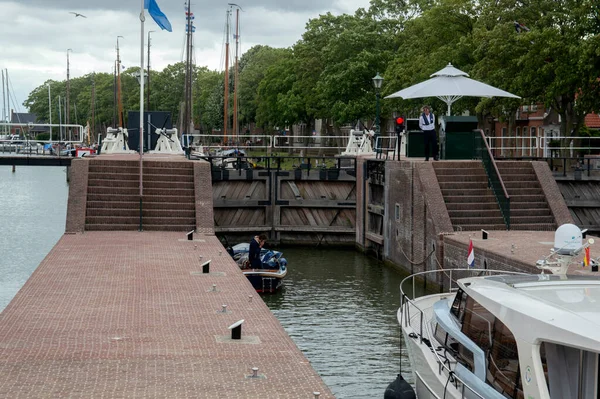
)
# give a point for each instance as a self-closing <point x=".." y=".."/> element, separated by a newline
<point x="317" y="307"/>
<point x="375" y="199"/>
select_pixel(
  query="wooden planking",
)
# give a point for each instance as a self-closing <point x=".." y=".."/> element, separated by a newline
<point x="239" y="190"/>
<point x="317" y="217"/>
<point x="290" y="190"/>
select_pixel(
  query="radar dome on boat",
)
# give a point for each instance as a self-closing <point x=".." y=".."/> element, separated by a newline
<point x="567" y="239"/>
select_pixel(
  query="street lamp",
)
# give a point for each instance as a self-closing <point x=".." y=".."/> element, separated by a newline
<point x="377" y="81"/>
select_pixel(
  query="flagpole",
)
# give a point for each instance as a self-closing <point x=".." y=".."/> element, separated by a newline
<point x="141" y="130"/>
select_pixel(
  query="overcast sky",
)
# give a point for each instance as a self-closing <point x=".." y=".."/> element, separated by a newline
<point x="35" y="34"/>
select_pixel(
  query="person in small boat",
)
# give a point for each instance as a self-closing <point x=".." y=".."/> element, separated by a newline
<point x="254" y="251"/>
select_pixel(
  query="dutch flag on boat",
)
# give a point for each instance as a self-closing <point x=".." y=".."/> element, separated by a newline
<point x="157" y="15"/>
<point x="471" y="255"/>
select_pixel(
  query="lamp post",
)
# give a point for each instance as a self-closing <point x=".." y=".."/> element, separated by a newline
<point x="377" y="81"/>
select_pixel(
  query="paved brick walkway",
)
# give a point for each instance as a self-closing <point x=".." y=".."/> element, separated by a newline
<point x="130" y="315"/>
<point x="522" y="248"/>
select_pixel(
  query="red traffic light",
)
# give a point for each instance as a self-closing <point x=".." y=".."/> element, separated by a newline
<point x="399" y="120"/>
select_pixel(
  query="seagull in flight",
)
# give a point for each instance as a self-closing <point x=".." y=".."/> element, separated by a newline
<point x="77" y="14"/>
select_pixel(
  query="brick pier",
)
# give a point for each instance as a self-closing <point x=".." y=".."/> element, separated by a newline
<point x="127" y="314"/>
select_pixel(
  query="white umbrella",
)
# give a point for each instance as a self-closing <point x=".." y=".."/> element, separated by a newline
<point x="449" y="85"/>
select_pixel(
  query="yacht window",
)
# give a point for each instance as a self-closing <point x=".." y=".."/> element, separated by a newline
<point x="503" y="363"/>
<point x="458" y="306"/>
<point x="477" y="324"/>
<point x="572" y="373"/>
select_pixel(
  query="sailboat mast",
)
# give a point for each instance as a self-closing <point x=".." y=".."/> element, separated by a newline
<point x="67" y="120"/>
<point x="187" y="115"/>
<point x="3" y="103"/>
<point x="119" y="99"/>
<point x="236" y="131"/>
<point x="148" y="107"/>
<point x="93" y="127"/>
<point x="226" y="97"/>
<point x="8" y="113"/>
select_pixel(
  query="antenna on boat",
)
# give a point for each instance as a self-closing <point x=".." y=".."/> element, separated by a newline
<point x="568" y="243"/>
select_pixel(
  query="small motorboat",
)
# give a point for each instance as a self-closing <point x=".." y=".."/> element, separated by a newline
<point x="267" y="279"/>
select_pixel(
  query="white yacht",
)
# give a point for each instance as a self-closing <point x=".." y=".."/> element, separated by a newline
<point x="493" y="334"/>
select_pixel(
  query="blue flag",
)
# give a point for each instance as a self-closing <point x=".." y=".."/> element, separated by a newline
<point x="158" y="16"/>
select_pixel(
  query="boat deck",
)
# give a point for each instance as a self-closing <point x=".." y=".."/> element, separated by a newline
<point x="129" y="314"/>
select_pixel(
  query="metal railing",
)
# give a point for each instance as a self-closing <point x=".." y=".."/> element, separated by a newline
<point x="495" y="182"/>
<point x="446" y="279"/>
<point x="328" y="165"/>
<point x="283" y="142"/>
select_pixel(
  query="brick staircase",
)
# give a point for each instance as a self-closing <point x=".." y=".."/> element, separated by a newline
<point x="471" y="204"/>
<point x="113" y="196"/>
<point x="529" y="209"/>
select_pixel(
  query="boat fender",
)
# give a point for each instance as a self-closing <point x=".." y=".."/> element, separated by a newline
<point x="399" y="389"/>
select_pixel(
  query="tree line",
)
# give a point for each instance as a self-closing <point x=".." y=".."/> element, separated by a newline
<point x="545" y="51"/>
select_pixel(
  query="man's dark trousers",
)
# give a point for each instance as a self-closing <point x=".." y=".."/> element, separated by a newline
<point x="431" y="146"/>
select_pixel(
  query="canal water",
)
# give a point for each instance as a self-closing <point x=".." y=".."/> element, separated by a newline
<point x="33" y="209"/>
<point x="338" y="305"/>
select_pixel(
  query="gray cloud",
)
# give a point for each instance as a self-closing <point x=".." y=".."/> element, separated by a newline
<point x="35" y="42"/>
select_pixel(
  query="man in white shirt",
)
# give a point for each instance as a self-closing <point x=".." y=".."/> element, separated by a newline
<point x="427" y="126"/>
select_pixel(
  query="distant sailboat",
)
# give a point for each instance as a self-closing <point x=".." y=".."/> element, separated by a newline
<point x="233" y="134"/>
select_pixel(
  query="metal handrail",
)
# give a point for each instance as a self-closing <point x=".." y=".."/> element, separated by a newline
<point x="424" y="328"/>
<point x="494" y="178"/>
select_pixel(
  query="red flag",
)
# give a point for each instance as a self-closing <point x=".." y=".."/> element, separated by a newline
<point x="586" y="257"/>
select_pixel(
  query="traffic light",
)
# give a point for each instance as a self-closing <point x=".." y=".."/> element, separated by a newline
<point x="399" y="124"/>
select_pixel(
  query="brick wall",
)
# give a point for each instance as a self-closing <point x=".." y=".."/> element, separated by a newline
<point x="204" y="197"/>
<point x="556" y="201"/>
<point x="76" y="205"/>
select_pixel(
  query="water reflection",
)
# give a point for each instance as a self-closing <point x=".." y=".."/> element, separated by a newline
<point x="340" y="307"/>
<point x="32" y="219"/>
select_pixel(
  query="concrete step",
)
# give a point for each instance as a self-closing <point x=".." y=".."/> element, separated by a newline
<point x="111" y="170"/>
<point x="516" y="171"/>
<point x="169" y="171"/>
<point x="168" y="185"/>
<point x="475" y="213"/>
<point x="529" y="212"/>
<point x="464" y="199"/>
<point x="135" y="212"/>
<point x="95" y="182"/>
<point x="129" y="191"/>
<point x="534" y="227"/>
<point x="457" y="165"/>
<point x="170" y="227"/>
<point x="456" y="206"/>
<point x="464" y="221"/>
<point x="183" y="192"/>
<point x="135" y="198"/>
<point x="460" y="171"/>
<point x="114" y="191"/>
<point x="527" y="205"/>
<point x="168" y="178"/>
<point x="514" y="164"/>
<point x="112" y="227"/>
<point x="480" y="177"/>
<point x="464" y="185"/>
<point x="458" y="192"/>
<point x="507" y="178"/>
<point x="132" y="220"/>
<point x="525" y="191"/>
<point x="479" y="227"/>
<point x="114" y="163"/>
<point x="147" y="204"/>
<point x="517" y="198"/>
<point x="521" y="183"/>
<point x="518" y="220"/>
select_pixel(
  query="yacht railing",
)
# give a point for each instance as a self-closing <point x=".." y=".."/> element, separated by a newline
<point x="447" y="276"/>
